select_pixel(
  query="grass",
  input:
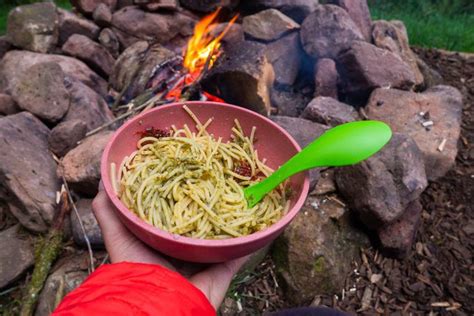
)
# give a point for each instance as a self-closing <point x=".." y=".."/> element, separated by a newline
<point x="446" y="24"/>
<point x="432" y="23"/>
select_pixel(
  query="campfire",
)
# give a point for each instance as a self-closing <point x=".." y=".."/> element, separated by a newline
<point x="177" y="78"/>
<point x="200" y="54"/>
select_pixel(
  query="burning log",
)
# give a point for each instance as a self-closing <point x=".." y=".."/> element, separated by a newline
<point x="136" y="66"/>
<point x="242" y="75"/>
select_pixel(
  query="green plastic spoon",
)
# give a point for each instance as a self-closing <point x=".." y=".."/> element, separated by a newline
<point x="343" y="145"/>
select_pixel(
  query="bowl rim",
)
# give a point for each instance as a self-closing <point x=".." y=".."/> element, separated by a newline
<point x="155" y="231"/>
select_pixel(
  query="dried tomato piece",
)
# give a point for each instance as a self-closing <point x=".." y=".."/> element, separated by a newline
<point x="289" y="193"/>
<point x="243" y="168"/>
<point x="259" y="176"/>
<point x="154" y="132"/>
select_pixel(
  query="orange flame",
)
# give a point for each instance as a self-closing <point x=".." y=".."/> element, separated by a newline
<point x="202" y="46"/>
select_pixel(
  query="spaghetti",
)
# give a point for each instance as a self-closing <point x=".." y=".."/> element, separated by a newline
<point x="191" y="184"/>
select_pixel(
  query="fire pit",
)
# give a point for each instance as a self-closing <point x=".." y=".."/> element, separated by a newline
<point x="68" y="79"/>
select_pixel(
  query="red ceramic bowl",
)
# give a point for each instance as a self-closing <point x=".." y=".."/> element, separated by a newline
<point x="274" y="144"/>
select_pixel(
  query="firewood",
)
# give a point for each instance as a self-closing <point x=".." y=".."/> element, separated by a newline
<point x="242" y="75"/>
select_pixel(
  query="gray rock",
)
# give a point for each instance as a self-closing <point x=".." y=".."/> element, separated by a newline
<point x="329" y="111"/>
<point x="34" y="27"/>
<point x="93" y="54"/>
<point x="102" y="15"/>
<point x="88" y="6"/>
<point x="7" y="218"/>
<point x="207" y="6"/>
<point x="5" y="46"/>
<point x="441" y="105"/>
<point x="328" y="31"/>
<point x="315" y="252"/>
<point x="381" y="188"/>
<point x="326" y="78"/>
<point x="153" y="5"/>
<point x="398" y="237"/>
<point x="289" y="103"/>
<point x="431" y="77"/>
<point x="8" y="105"/>
<point x="65" y="136"/>
<point x="41" y="91"/>
<point x="304" y="132"/>
<point x="81" y="165"/>
<point x="298" y="10"/>
<point x="235" y="33"/>
<point x="268" y="25"/>
<point x="393" y="37"/>
<point x="363" y="68"/>
<point x="125" y="39"/>
<point x="285" y="56"/>
<point x="326" y="184"/>
<point x="124" y="3"/>
<point x="109" y="40"/>
<point x="360" y="14"/>
<point x="67" y="275"/>
<point x="158" y="28"/>
<point x="91" y="227"/>
<point x="134" y="67"/>
<point x="15" y="63"/>
<point x="86" y="105"/>
<point x="28" y="171"/>
<point x="17" y="255"/>
<point x="71" y="23"/>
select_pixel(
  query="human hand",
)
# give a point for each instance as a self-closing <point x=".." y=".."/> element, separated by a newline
<point x="122" y="245"/>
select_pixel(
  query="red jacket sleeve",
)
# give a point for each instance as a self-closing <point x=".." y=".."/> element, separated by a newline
<point x="135" y="289"/>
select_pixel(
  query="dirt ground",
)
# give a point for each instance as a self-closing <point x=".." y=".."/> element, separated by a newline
<point x="437" y="277"/>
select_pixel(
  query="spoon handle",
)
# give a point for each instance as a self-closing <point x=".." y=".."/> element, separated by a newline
<point x="256" y="192"/>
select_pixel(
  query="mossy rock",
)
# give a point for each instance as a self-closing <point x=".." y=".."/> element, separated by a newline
<point x="34" y="27"/>
<point x="316" y="251"/>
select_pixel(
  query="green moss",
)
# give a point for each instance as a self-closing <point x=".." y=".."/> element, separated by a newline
<point x="43" y="264"/>
<point x="319" y="265"/>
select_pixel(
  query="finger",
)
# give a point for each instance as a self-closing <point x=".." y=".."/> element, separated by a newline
<point x="108" y="221"/>
<point x="215" y="281"/>
<point x="121" y="244"/>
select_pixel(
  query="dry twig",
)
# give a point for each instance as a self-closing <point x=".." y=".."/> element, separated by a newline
<point x="76" y="212"/>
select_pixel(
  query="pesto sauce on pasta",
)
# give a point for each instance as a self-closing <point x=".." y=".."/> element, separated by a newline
<point x="188" y="183"/>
